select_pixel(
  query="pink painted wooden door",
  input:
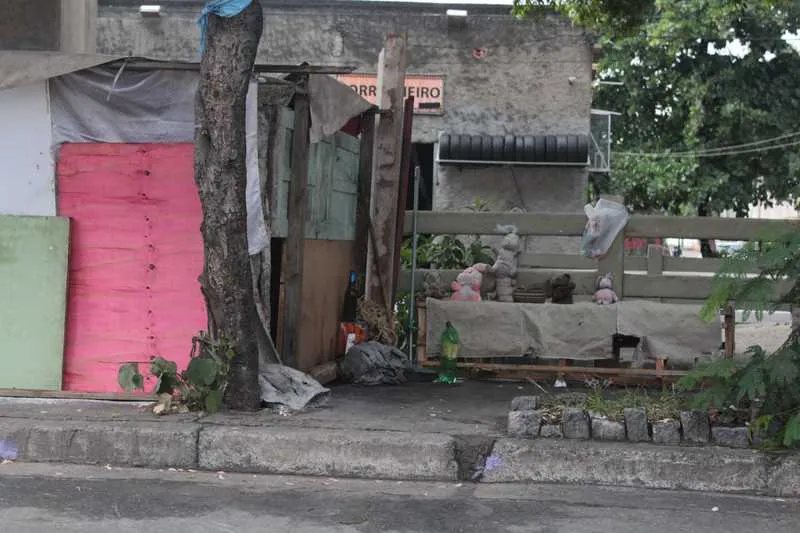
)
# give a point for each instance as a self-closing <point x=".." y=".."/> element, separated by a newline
<point x="136" y="253"/>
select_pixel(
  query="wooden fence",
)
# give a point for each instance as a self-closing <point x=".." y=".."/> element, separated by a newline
<point x="657" y="276"/>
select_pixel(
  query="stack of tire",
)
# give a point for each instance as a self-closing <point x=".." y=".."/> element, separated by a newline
<point x="562" y="149"/>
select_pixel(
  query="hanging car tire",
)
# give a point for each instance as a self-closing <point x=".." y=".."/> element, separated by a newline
<point x="519" y="148"/>
<point x="583" y="148"/>
<point x="561" y="149"/>
<point x="550" y="148"/>
<point x="572" y="149"/>
<point x="539" y="154"/>
<point x="528" y="154"/>
<point x="508" y="148"/>
<point x="497" y="148"/>
<point x="444" y="146"/>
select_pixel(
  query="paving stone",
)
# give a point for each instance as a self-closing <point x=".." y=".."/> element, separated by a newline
<point x="575" y="423"/>
<point x="525" y="403"/>
<point x="636" y="424"/>
<point x="551" y="431"/>
<point x="524" y="423"/>
<point x="667" y="432"/>
<point x="695" y="427"/>
<point x="605" y="429"/>
<point x="730" y="437"/>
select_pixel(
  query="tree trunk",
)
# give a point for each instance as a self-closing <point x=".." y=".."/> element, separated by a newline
<point x="221" y="176"/>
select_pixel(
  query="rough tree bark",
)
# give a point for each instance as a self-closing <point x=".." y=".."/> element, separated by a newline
<point x="221" y="176"/>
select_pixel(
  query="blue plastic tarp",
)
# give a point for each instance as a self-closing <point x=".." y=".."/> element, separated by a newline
<point x="222" y="8"/>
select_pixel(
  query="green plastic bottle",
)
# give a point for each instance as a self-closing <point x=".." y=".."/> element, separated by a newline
<point x="448" y="373"/>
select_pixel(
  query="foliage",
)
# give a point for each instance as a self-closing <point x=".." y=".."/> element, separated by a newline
<point x="767" y="384"/>
<point x="775" y="258"/>
<point x="617" y="16"/>
<point x="201" y="387"/>
<point x="448" y="252"/>
<point x="686" y="89"/>
<point x="405" y="334"/>
<point x="666" y="404"/>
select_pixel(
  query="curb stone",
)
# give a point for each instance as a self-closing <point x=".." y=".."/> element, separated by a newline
<point x="643" y="465"/>
<point x="140" y="444"/>
<point x="321" y="452"/>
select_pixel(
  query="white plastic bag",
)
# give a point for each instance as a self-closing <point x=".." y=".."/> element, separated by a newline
<point x="606" y="220"/>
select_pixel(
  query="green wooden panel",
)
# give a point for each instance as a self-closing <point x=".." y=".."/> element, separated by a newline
<point x="332" y="184"/>
<point x="33" y="293"/>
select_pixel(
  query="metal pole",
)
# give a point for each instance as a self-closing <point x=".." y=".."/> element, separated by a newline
<point x="413" y="300"/>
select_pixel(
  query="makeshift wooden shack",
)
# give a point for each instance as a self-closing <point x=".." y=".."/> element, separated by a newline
<point x="99" y="216"/>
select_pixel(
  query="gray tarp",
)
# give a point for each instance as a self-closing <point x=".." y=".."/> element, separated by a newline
<point x="580" y="331"/>
<point x="19" y="68"/>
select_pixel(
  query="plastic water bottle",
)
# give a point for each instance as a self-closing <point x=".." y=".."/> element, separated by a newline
<point x="448" y="372"/>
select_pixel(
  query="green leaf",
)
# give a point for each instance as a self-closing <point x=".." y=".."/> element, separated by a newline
<point x="160" y="367"/>
<point x="213" y="401"/>
<point x="202" y="371"/>
<point x="129" y="377"/>
<point x="791" y="434"/>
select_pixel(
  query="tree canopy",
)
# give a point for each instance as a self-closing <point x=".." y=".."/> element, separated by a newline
<point x="701" y="84"/>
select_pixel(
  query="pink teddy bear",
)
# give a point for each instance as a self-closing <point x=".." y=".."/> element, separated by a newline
<point x="467" y="286"/>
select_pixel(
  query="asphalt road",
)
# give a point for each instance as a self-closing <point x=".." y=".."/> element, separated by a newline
<point x="43" y="498"/>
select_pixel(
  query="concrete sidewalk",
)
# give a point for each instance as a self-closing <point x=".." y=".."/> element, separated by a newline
<point x="419" y="431"/>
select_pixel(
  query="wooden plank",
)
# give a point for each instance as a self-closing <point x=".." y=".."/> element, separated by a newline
<point x="75" y="395"/>
<point x="364" y="189"/>
<point x="680" y="287"/>
<point x="707" y="227"/>
<point x="386" y="177"/>
<point x="297" y="209"/>
<point x="422" y="333"/>
<point x="696" y="264"/>
<point x="323" y="298"/>
<point x="684" y="287"/>
<point x="555" y="224"/>
<point x="634" y="262"/>
<point x="730" y="330"/>
<point x="584" y="280"/>
<point x="402" y="193"/>
<point x="570" y="370"/>
<point x="557" y="261"/>
<point x="462" y="222"/>
<point x="655" y="260"/>
<point x="33" y="294"/>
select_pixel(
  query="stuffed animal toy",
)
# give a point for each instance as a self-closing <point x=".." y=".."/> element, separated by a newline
<point x="605" y="291"/>
<point x="433" y="287"/>
<point x="467" y="286"/>
<point x="559" y="289"/>
<point x="505" y="267"/>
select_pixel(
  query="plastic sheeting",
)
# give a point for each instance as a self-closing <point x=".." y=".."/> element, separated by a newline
<point x="118" y="106"/>
<point x="580" y="331"/>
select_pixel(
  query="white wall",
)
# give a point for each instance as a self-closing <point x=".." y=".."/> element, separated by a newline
<point x="27" y="174"/>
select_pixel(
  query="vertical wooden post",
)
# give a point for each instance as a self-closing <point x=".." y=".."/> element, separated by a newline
<point x="614" y="260"/>
<point x="386" y="177"/>
<point x="364" y="189"/>
<point x="655" y="261"/>
<point x="296" y="213"/>
<point x="405" y="169"/>
<point x="730" y="329"/>
<point x="422" y="333"/>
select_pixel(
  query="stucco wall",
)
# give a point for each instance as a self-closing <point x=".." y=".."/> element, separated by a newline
<point x="522" y="85"/>
<point x="535" y="77"/>
<point x="27" y="171"/>
<point x="30" y="25"/>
